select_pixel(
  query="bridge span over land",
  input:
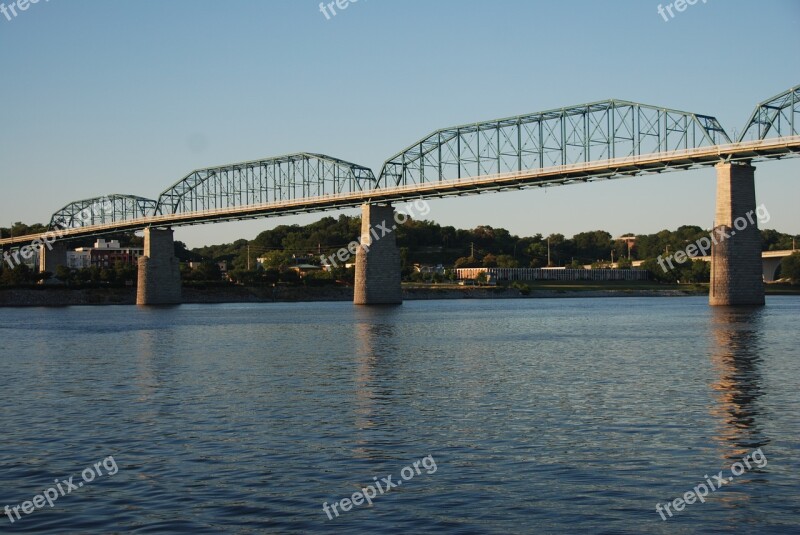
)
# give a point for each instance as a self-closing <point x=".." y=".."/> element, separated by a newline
<point x="597" y="141"/>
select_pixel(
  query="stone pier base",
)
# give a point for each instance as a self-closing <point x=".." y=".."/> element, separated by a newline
<point x="159" y="270"/>
<point x="736" y="270"/>
<point x="378" y="258"/>
<point x="50" y="259"/>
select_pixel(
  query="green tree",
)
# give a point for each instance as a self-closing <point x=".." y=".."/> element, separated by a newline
<point x="244" y="277"/>
<point x="507" y="261"/>
<point x="558" y="248"/>
<point x="790" y="268"/>
<point x="624" y="263"/>
<point x="126" y="272"/>
<point x="467" y="262"/>
<point x="277" y="260"/>
<point x="207" y="272"/>
<point x="575" y="264"/>
<point x="109" y="276"/>
<point x="591" y="246"/>
<point x="64" y="274"/>
<point x="86" y="275"/>
<point x="19" y="276"/>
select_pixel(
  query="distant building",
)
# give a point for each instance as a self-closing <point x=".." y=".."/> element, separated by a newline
<point x="223" y="266"/>
<point x="429" y="270"/>
<point x="304" y="269"/>
<point x="104" y="254"/>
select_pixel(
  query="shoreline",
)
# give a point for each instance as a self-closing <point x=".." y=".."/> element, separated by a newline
<point x="63" y="297"/>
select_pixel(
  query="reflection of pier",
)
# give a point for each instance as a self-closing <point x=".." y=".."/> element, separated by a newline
<point x="737" y="341"/>
<point x="376" y="341"/>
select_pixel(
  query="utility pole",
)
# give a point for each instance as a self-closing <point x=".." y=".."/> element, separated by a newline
<point x="472" y="253"/>
<point x="248" y="257"/>
<point x="548" y="252"/>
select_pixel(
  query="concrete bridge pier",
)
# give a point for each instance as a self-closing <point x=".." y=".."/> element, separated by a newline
<point x="378" y="258"/>
<point x="159" y="270"/>
<point x="736" y="267"/>
<point x="52" y="256"/>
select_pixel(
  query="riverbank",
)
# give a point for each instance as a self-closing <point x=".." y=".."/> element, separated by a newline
<point x="53" y="296"/>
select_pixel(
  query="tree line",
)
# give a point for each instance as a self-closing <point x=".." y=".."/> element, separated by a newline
<point x="420" y="242"/>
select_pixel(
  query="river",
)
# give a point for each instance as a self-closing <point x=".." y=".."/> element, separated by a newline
<point x="523" y="416"/>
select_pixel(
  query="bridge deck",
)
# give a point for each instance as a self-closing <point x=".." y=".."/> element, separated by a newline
<point x="557" y="175"/>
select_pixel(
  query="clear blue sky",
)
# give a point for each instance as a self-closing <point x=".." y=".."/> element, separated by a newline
<point x="128" y="96"/>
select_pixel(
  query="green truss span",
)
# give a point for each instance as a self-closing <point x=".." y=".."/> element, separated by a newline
<point x="283" y="178"/>
<point x="778" y="116"/>
<point x="586" y="133"/>
<point x="102" y="211"/>
<point x="589" y="132"/>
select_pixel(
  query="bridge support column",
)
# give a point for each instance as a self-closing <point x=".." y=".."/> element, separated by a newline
<point x="736" y="271"/>
<point x="52" y="256"/>
<point x="378" y="258"/>
<point x="159" y="271"/>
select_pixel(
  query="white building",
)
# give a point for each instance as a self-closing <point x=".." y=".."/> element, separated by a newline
<point x="104" y="254"/>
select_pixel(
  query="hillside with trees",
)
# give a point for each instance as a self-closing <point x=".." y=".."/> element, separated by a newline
<point x="421" y="242"/>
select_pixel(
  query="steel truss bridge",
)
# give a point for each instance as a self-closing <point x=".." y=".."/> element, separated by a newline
<point x="597" y="141"/>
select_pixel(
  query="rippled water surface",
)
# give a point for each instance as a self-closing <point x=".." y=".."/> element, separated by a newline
<point x="575" y="415"/>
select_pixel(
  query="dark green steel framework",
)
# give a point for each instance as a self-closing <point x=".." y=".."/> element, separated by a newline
<point x="102" y="211"/>
<point x="778" y="116"/>
<point x="589" y="132"/>
<point x="283" y="178"/>
<point x="606" y="130"/>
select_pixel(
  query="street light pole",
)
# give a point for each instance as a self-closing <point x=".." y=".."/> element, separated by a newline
<point x="549" y="263"/>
